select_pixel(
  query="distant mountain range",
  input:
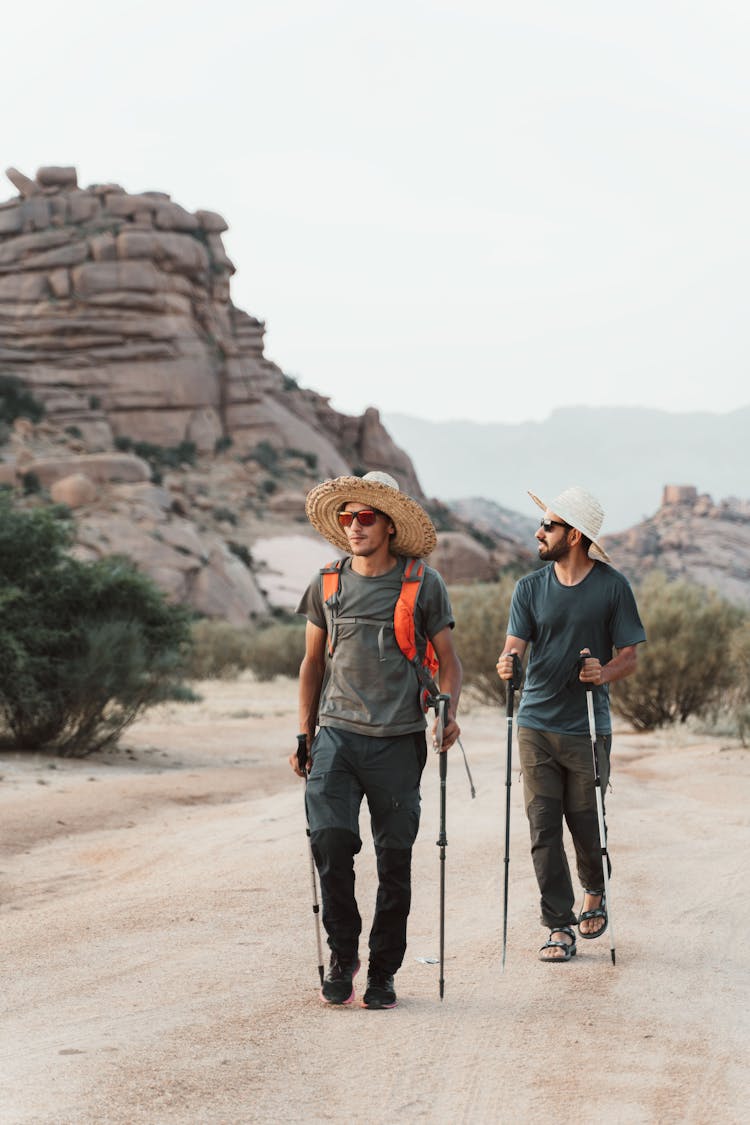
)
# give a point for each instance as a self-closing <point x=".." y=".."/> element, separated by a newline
<point x="624" y="455"/>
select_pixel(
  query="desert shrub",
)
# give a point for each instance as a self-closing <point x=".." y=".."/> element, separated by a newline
<point x="684" y="668"/>
<point x="481" y="614"/>
<point x="17" y="402"/>
<point x="86" y="646"/>
<point x="223" y="443"/>
<point x="738" y="696"/>
<point x="166" y="456"/>
<point x="220" y="650"/>
<point x="277" y="650"/>
<point x="241" y="552"/>
<point x="310" y="459"/>
<point x="30" y="483"/>
<point x="265" y="454"/>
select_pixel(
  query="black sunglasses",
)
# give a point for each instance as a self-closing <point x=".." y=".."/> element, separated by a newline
<point x="365" y="518"/>
<point x="549" y="524"/>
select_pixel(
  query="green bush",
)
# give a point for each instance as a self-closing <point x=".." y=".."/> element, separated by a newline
<point x="277" y="650"/>
<point x="159" y="457"/>
<point x="684" y="669"/>
<point x="481" y="614"/>
<point x="17" y="402"/>
<point x="86" y="646"/>
<point x="265" y="454"/>
<point x="738" y="697"/>
<point x="218" y="651"/>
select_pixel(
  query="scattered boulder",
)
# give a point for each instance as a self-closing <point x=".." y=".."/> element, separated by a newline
<point x="75" y="490"/>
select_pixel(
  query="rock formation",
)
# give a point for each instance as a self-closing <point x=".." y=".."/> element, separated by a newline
<point x="115" y="310"/>
<point x="167" y="432"/>
<point x="693" y="538"/>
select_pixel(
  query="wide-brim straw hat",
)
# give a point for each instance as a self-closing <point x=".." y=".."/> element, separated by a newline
<point x="581" y="510"/>
<point x="415" y="536"/>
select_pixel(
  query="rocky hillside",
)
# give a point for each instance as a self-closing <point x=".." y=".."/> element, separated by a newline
<point x="165" y="428"/>
<point x="115" y="310"/>
<point x="690" y="537"/>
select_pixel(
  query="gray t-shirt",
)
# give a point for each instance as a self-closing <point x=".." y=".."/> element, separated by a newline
<point x="599" y="614"/>
<point x="369" y="686"/>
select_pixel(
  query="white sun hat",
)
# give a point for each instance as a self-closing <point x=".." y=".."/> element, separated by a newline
<point x="581" y="510"/>
<point x="415" y="535"/>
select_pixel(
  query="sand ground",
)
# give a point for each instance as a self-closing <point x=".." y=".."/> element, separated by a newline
<point x="158" y="952"/>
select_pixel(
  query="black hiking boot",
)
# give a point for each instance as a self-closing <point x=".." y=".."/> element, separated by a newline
<point x="338" y="986"/>
<point x="380" y="992"/>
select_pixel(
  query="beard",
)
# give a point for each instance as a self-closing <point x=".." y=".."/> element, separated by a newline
<point x="552" y="554"/>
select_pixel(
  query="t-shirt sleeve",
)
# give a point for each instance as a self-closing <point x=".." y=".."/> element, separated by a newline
<point x="626" y="626"/>
<point x="311" y="604"/>
<point x="520" y="620"/>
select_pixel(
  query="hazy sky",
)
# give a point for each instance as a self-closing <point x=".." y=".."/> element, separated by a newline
<point x="479" y="210"/>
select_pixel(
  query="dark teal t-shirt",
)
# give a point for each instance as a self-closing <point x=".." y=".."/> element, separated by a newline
<point x="558" y="621"/>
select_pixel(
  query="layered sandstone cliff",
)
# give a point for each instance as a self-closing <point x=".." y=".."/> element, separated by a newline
<point x="116" y="314"/>
<point x="115" y="309"/>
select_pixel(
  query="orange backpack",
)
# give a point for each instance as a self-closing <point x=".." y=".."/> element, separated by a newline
<point x="403" y="623"/>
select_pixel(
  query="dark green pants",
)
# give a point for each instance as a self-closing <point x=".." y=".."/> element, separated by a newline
<point x="345" y="768"/>
<point x="558" y="780"/>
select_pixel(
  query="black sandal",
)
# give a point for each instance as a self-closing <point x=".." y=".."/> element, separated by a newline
<point x="568" y="946"/>
<point x="598" y="912"/>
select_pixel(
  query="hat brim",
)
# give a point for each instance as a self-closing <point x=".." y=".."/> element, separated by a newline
<point x="575" y="522"/>
<point x="415" y="535"/>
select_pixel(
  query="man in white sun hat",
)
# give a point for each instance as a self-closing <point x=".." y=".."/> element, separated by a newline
<point x="365" y="696"/>
<point x="575" y="606"/>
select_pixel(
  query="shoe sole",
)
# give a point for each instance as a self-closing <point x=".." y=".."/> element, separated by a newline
<point x="341" y="1003"/>
<point x="379" y="1007"/>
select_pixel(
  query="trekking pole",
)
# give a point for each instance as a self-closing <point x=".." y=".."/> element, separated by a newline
<point x="302" y="762"/>
<point x="441" y="706"/>
<point x="468" y="771"/>
<point x="512" y="686"/>
<point x="430" y="697"/>
<point x="600" y="812"/>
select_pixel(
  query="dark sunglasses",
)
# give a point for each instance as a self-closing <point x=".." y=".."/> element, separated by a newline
<point x="549" y="524"/>
<point x="365" y="518"/>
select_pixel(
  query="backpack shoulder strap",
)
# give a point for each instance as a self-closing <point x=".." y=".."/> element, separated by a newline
<point x="406" y="607"/>
<point x="330" y="576"/>
<point x="404" y="625"/>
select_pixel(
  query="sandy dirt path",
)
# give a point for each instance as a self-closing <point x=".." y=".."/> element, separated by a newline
<point x="158" y="952"/>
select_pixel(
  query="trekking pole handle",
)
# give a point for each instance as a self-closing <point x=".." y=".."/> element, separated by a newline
<point x="442" y="703"/>
<point x="581" y="661"/>
<point x="302" y="751"/>
<point x="515" y="680"/>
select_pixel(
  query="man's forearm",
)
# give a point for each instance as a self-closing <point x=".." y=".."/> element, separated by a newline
<point x="621" y="665"/>
<point x="451" y="680"/>
<point x="310" y="683"/>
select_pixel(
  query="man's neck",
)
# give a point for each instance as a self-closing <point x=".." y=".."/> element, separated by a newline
<point x="372" y="566"/>
<point x="573" y="568"/>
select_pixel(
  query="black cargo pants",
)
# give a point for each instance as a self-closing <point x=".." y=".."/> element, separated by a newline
<point x="345" y="768"/>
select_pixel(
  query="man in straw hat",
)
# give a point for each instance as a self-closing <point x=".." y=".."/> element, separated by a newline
<point x="357" y="686"/>
<point x="575" y="607"/>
